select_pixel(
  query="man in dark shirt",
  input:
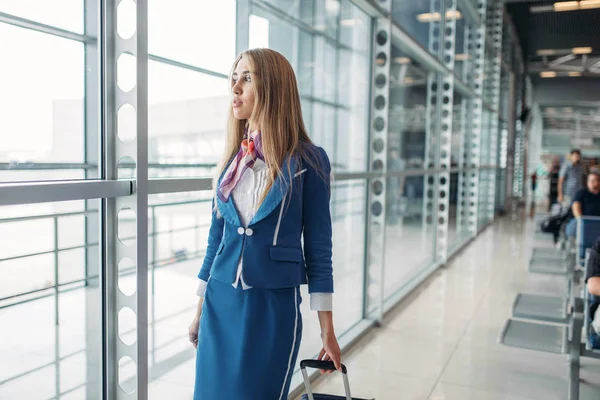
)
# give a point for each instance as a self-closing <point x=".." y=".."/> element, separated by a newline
<point x="586" y="203"/>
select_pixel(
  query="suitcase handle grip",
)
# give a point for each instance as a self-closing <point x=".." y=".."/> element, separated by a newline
<point x="318" y="364"/>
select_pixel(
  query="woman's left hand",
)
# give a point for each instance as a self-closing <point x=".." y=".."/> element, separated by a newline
<point x="331" y="352"/>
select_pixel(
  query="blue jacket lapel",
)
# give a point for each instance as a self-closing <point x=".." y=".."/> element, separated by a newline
<point x="277" y="191"/>
<point x="227" y="208"/>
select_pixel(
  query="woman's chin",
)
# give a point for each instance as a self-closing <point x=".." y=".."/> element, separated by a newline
<point x="239" y="115"/>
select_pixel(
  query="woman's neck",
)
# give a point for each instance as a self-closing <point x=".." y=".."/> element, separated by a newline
<point x="252" y="127"/>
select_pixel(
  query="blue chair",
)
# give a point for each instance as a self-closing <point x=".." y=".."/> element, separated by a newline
<point x="588" y="231"/>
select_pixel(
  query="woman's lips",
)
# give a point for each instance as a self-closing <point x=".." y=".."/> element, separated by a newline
<point x="237" y="103"/>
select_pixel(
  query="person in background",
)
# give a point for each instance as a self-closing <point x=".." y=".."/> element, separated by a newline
<point x="570" y="178"/>
<point x="586" y="203"/>
<point x="553" y="177"/>
<point x="533" y="189"/>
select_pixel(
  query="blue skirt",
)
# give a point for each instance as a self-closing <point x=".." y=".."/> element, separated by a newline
<point x="247" y="343"/>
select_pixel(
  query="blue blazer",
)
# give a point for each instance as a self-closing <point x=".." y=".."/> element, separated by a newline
<point x="296" y="207"/>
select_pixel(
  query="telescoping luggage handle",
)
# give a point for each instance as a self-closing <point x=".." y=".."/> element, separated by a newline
<point x="328" y="366"/>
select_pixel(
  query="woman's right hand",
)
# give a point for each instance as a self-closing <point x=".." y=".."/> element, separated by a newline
<point x="193" y="331"/>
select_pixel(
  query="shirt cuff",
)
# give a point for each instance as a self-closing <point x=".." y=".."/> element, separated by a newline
<point x="201" y="288"/>
<point x="321" y="301"/>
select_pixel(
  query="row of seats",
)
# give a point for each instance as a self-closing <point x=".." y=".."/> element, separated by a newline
<point x="558" y="324"/>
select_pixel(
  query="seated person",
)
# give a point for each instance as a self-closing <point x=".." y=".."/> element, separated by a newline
<point x="586" y="203"/>
<point x="592" y="280"/>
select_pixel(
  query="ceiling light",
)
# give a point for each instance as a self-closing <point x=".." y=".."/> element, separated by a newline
<point x="566" y="6"/>
<point x="462" y="57"/>
<point x="429" y="17"/>
<point x="408" y="80"/>
<point x="582" y="50"/>
<point x="548" y="74"/>
<point x="575" y="73"/>
<point x="453" y="15"/>
<point x="402" y="60"/>
<point x="549" y="52"/>
<point x="436" y="16"/>
<point x="350" y="22"/>
<point x="589" y="4"/>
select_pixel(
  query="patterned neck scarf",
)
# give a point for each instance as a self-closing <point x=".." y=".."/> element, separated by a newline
<point x="250" y="150"/>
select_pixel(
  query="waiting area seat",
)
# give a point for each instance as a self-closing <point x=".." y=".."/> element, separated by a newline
<point x="557" y="324"/>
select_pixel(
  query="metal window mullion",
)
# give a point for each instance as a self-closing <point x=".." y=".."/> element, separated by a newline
<point x="474" y="142"/>
<point x="142" y="198"/>
<point x="443" y="156"/>
<point x="376" y="206"/>
<point x="495" y="29"/>
<point x="92" y="226"/>
<point x="432" y="122"/>
<point x="461" y="211"/>
<point x="108" y="212"/>
<point x="242" y="25"/>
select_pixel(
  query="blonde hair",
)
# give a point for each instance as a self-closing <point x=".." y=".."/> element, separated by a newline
<point x="277" y="111"/>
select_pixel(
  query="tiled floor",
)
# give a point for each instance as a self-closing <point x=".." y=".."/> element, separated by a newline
<point x="442" y="344"/>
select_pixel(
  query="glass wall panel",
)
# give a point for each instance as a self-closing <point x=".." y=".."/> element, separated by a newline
<point x="408" y="100"/>
<point x="69" y="18"/>
<point x="187" y="119"/>
<point x="50" y="303"/>
<point x="53" y="94"/>
<point x="409" y="238"/>
<point x="200" y="33"/>
<point x="178" y="234"/>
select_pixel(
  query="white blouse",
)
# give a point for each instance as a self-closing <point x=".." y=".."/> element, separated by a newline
<point x="245" y="197"/>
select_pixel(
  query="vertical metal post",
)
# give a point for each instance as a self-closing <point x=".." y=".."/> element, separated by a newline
<point x="473" y="143"/>
<point x="153" y="266"/>
<point x="432" y="125"/>
<point x="108" y="212"/>
<point x="382" y="50"/>
<point x="56" y="313"/>
<point x="444" y="144"/>
<point x="56" y="277"/>
<point x="242" y="25"/>
<point x="495" y="30"/>
<point x="142" y="197"/>
<point x="465" y="124"/>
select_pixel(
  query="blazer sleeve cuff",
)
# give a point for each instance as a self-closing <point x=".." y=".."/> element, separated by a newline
<point x="201" y="288"/>
<point x="321" y="301"/>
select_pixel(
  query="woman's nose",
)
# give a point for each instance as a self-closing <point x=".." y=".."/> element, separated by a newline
<point x="236" y="89"/>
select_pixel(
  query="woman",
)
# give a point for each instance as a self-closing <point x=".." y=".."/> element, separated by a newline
<point x="273" y="188"/>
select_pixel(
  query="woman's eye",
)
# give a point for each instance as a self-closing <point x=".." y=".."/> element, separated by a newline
<point x="248" y="78"/>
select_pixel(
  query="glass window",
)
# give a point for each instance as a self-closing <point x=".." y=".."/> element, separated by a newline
<point x="187" y="120"/>
<point x="409" y="235"/>
<point x="44" y="275"/>
<point x="46" y="81"/>
<point x="408" y="101"/>
<point x="69" y="18"/>
<point x="325" y="71"/>
<point x="461" y="56"/>
<point x="201" y="33"/>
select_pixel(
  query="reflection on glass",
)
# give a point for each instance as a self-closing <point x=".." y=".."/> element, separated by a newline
<point x="407" y="110"/>
<point x="53" y="94"/>
<point x="409" y="236"/>
<point x="50" y="301"/>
